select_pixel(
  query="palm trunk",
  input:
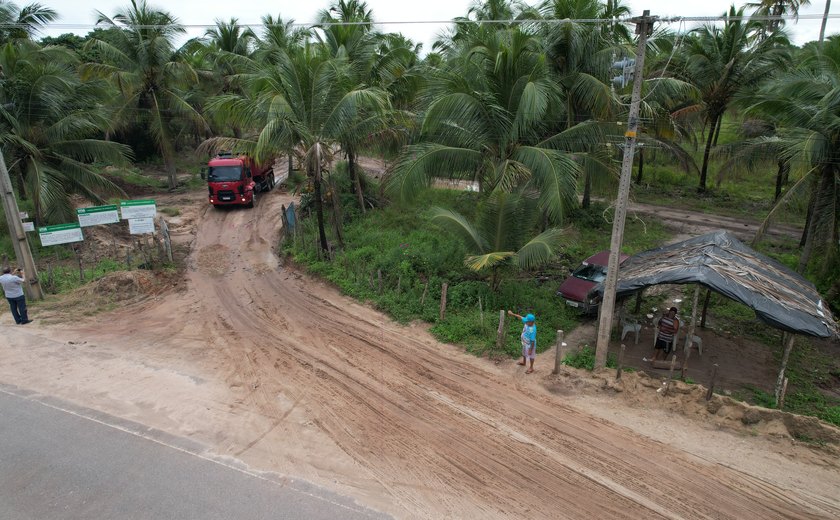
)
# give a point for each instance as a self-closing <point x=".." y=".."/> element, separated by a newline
<point x="781" y="178"/>
<point x="709" y="140"/>
<point x="319" y="204"/>
<point x="170" y="170"/>
<point x="823" y="197"/>
<point x="338" y="217"/>
<point x="354" y="177"/>
<point x="717" y="130"/>
<point x="641" y="165"/>
<point x="809" y="214"/>
<point x="587" y="189"/>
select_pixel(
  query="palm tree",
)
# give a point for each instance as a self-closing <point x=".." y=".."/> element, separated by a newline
<point x="806" y="104"/>
<point x="48" y="119"/>
<point x="489" y="120"/>
<point x="307" y="102"/>
<point x="229" y="37"/>
<point x="723" y="61"/>
<point x="501" y="234"/>
<point x="140" y="60"/>
<point x="23" y="23"/>
<point x="776" y="8"/>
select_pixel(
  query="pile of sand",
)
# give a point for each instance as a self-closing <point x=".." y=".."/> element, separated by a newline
<point x="639" y="389"/>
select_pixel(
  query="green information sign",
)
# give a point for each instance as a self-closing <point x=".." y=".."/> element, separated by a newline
<point x="98" y="215"/>
<point x="137" y="209"/>
<point x="60" y="234"/>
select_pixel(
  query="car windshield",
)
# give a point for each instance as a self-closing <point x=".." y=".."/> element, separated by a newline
<point x="592" y="273"/>
<point x="224" y="173"/>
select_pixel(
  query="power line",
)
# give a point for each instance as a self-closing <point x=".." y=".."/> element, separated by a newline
<point x="512" y="21"/>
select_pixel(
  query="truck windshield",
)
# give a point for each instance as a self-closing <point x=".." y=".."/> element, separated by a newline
<point x="224" y="173"/>
<point x="592" y="273"/>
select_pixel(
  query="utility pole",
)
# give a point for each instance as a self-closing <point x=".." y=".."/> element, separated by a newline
<point x="19" y="241"/>
<point x="644" y="27"/>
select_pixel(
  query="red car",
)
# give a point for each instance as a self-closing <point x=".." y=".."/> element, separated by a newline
<point x="591" y="272"/>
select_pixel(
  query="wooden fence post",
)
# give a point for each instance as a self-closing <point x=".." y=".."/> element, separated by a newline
<point x="399" y="284"/>
<point x="712" y="382"/>
<point x="781" y="403"/>
<point x="500" y="334"/>
<point x="443" y="289"/>
<point x="425" y="292"/>
<point x="558" y="353"/>
<point x="685" y="363"/>
<point x="785" y="356"/>
<point x="620" y="366"/>
<point x="379" y="277"/>
<point x="481" y="313"/>
<point x="78" y="252"/>
<point x="670" y="375"/>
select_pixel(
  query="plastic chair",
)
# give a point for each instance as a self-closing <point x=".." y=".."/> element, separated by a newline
<point x="631" y="327"/>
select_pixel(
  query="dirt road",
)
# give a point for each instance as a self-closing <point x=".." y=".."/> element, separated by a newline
<point x="269" y="367"/>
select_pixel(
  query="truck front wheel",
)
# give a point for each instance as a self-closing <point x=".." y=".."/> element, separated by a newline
<point x="253" y="200"/>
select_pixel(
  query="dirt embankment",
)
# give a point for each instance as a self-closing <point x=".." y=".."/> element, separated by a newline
<point x="268" y="366"/>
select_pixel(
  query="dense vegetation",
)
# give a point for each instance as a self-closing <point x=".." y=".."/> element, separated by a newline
<point x="734" y="118"/>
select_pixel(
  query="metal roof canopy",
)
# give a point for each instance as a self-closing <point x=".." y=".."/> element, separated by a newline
<point x="779" y="296"/>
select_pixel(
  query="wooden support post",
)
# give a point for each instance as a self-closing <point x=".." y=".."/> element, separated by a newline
<point x="558" y="353"/>
<point x="705" y="308"/>
<point x="399" y="284"/>
<point x="79" y="258"/>
<point x="379" y="277"/>
<point x="620" y="362"/>
<point x="500" y="334"/>
<point x="638" y="306"/>
<point x="370" y="280"/>
<point x="781" y="404"/>
<point x="425" y="292"/>
<point x="670" y="375"/>
<point x="481" y="313"/>
<point x="685" y="363"/>
<point x="785" y="356"/>
<point x="443" y="289"/>
<point x="712" y="382"/>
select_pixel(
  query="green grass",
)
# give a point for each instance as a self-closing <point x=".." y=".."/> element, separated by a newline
<point x="400" y="242"/>
<point x="585" y="359"/>
<point x="66" y="278"/>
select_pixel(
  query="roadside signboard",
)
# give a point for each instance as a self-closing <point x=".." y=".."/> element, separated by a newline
<point x="98" y="215"/>
<point x="137" y="209"/>
<point x="60" y="234"/>
<point x="24" y="215"/>
<point x="28" y="226"/>
<point x="141" y="226"/>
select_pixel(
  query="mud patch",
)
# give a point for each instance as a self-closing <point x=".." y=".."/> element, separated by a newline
<point x="214" y="259"/>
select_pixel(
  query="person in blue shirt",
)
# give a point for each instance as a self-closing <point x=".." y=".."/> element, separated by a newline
<point x="528" y="339"/>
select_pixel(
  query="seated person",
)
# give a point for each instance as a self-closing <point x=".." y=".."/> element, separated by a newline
<point x="669" y="326"/>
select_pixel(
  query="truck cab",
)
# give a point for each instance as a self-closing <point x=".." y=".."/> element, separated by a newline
<point x="230" y="181"/>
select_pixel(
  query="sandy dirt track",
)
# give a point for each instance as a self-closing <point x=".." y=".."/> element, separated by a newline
<point x="262" y="364"/>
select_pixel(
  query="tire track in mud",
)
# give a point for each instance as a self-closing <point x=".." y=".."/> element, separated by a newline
<point x="441" y="434"/>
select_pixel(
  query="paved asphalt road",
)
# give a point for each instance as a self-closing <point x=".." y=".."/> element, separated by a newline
<point x="58" y="461"/>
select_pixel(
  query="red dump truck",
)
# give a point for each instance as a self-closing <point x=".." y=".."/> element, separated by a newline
<point x="236" y="179"/>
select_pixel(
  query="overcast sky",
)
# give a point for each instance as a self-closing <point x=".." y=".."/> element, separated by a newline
<point x="81" y="13"/>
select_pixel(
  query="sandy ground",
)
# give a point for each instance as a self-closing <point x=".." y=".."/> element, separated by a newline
<point x="264" y="365"/>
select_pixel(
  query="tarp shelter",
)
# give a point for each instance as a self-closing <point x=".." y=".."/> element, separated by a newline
<point x="779" y="296"/>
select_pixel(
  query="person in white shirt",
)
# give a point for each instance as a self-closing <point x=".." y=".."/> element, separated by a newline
<point x="13" y="288"/>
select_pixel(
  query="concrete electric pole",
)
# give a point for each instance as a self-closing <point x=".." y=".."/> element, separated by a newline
<point x="19" y="241"/>
<point x="644" y="27"/>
